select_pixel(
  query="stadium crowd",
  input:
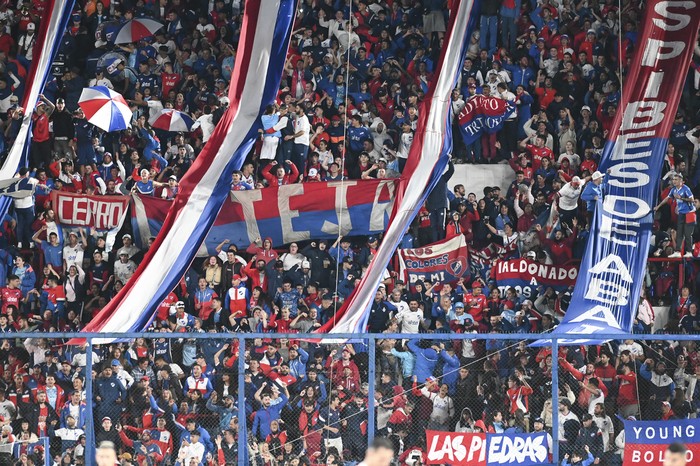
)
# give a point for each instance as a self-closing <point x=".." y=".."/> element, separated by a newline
<point x="347" y="108"/>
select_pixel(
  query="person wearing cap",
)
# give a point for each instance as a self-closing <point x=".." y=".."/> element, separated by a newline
<point x="567" y="199"/>
<point x="128" y="246"/>
<point x="106" y="432"/>
<point x="124" y="268"/>
<point x="565" y="414"/>
<point x="593" y="193"/>
<point x="226" y="410"/>
<point x="538" y="426"/>
<point x="110" y="394"/>
<point x="25" y="46"/>
<point x="590" y="436"/>
<point x="684" y="201"/>
<point x="475" y="302"/>
<point x="170" y="190"/>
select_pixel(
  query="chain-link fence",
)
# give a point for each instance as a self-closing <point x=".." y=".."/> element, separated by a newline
<point x="220" y="399"/>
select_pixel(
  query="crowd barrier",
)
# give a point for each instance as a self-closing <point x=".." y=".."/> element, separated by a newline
<point x="370" y="357"/>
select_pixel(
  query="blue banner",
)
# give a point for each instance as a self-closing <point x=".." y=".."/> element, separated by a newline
<point x="646" y="441"/>
<point x="612" y="272"/>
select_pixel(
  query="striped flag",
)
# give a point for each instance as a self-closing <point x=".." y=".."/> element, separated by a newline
<point x="259" y="64"/>
<point x="429" y="154"/>
<point x="49" y="38"/>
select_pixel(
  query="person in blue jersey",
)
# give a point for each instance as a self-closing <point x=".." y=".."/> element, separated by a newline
<point x="273" y="122"/>
<point x="685" y="210"/>
<point x="593" y="193"/>
<point x="145" y="185"/>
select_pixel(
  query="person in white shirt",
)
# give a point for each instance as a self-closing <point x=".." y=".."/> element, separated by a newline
<point x="206" y="122"/>
<point x="124" y="268"/>
<point x="605" y="425"/>
<point x="24" y="209"/>
<point x="74" y="251"/>
<point x="410" y="318"/>
<point x="302" y="130"/>
<point x="568" y="198"/>
<point x="100" y="80"/>
<point x="192" y="450"/>
<point x="123" y="376"/>
<point x="405" y="142"/>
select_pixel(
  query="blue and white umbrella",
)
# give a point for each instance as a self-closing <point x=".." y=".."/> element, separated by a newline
<point x="105" y="108"/>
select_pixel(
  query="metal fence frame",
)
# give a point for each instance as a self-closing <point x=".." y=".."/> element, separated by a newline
<point x="370" y="338"/>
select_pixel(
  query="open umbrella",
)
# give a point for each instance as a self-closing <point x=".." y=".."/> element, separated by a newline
<point x="105" y="108"/>
<point x="171" y="120"/>
<point x="137" y="29"/>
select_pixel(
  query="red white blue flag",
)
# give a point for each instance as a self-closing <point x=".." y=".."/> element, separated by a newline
<point x="260" y="58"/>
<point x="426" y="163"/>
<point x="483" y="114"/>
<point x="50" y="34"/>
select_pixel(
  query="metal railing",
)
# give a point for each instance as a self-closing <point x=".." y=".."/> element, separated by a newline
<point x="243" y="340"/>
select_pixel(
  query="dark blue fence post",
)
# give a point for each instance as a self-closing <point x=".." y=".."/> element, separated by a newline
<point x="48" y="461"/>
<point x="89" y="431"/>
<point x="242" y="431"/>
<point x="555" y="401"/>
<point x="372" y="346"/>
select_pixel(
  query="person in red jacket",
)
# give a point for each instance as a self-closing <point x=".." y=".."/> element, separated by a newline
<point x="281" y="177"/>
<point x="518" y="393"/>
<point x="560" y="248"/>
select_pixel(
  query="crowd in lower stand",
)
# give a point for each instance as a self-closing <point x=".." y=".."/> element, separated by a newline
<point x="354" y="79"/>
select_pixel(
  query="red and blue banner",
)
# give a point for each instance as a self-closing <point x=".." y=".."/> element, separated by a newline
<point x="526" y="276"/>
<point x="49" y="36"/>
<point x="445" y="261"/>
<point x="426" y="163"/>
<point x="260" y="58"/>
<point x="285" y="214"/>
<point x="468" y="449"/>
<point x="646" y="441"/>
<point x="612" y="270"/>
<point x="483" y="114"/>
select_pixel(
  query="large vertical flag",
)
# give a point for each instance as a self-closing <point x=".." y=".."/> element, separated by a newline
<point x="612" y="271"/>
<point x="260" y="60"/>
<point x="427" y="161"/>
<point x="51" y="30"/>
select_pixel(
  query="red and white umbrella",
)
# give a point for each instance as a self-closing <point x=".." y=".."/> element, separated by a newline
<point x="172" y="120"/>
<point x="105" y="108"/>
<point x="137" y="29"/>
